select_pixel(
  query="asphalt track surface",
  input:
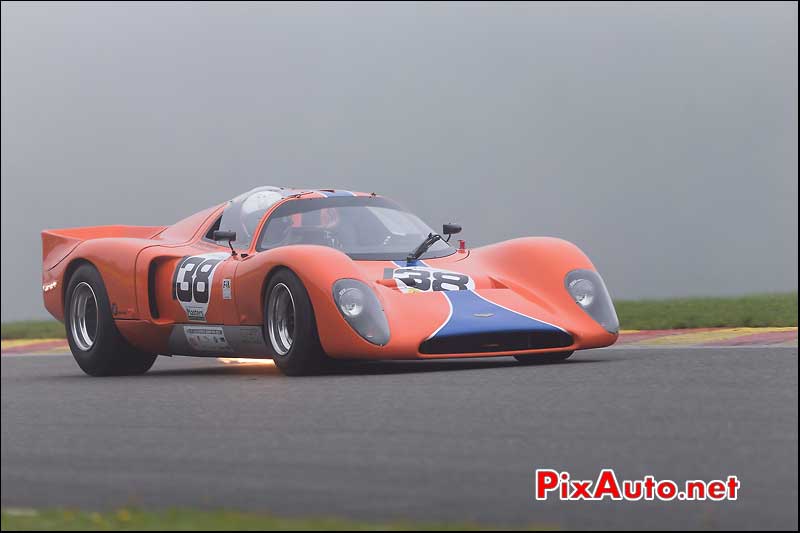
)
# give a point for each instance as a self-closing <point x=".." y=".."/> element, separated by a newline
<point x="450" y="441"/>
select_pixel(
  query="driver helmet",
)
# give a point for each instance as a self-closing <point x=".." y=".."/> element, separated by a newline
<point x="254" y="207"/>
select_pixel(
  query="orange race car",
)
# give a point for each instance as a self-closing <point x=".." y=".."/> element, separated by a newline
<point x="306" y="277"/>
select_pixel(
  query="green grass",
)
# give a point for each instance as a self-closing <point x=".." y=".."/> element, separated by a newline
<point x="745" y="311"/>
<point x="191" y="520"/>
<point x="32" y="329"/>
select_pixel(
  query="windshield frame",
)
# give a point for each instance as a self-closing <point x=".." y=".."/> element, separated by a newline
<point x="301" y="205"/>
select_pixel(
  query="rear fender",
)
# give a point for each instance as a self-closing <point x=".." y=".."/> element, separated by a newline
<point x="113" y="251"/>
<point x="114" y="258"/>
<point x="58" y="243"/>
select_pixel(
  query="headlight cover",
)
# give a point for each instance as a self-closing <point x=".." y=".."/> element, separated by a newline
<point x="361" y="309"/>
<point x="590" y="294"/>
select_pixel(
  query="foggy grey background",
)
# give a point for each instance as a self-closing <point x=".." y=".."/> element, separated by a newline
<point x="662" y="139"/>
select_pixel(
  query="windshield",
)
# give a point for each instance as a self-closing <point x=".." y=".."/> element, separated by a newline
<point x="363" y="227"/>
<point x="243" y="213"/>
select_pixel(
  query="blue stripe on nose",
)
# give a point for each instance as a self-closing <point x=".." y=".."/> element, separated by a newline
<point x="491" y="318"/>
<point x="406" y="264"/>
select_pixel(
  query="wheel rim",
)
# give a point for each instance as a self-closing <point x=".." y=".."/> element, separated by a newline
<point x="83" y="316"/>
<point x="280" y="321"/>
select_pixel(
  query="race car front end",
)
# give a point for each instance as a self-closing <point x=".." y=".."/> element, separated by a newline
<point x="383" y="322"/>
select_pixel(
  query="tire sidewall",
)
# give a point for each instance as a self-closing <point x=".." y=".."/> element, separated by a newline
<point x="110" y="354"/>
<point x="89" y="358"/>
<point x="305" y="354"/>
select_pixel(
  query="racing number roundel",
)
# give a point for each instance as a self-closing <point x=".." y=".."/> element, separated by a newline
<point x="424" y="279"/>
<point x="192" y="283"/>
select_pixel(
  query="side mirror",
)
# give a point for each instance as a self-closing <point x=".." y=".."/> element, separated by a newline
<point x="450" y="229"/>
<point x="224" y="236"/>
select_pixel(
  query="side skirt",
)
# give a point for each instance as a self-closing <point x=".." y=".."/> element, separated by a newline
<point x="213" y="340"/>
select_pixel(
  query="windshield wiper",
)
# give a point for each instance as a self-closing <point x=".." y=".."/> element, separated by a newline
<point x="429" y="241"/>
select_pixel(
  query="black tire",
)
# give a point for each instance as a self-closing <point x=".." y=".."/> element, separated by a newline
<point x="304" y="354"/>
<point x="108" y="354"/>
<point x="542" y="358"/>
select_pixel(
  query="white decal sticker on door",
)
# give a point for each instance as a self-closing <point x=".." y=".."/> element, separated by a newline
<point x="192" y="283"/>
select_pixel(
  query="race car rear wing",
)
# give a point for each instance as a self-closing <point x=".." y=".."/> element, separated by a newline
<point x="58" y="243"/>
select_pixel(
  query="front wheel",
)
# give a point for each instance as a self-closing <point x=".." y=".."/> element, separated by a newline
<point x="543" y="358"/>
<point x="95" y="341"/>
<point x="290" y="327"/>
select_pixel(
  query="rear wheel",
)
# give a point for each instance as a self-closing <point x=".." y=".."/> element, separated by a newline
<point x="290" y="328"/>
<point x="95" y="342"/>
<point x="543" y="358"/>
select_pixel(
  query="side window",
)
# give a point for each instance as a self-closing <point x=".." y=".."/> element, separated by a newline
<point x="214" y="227"/>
